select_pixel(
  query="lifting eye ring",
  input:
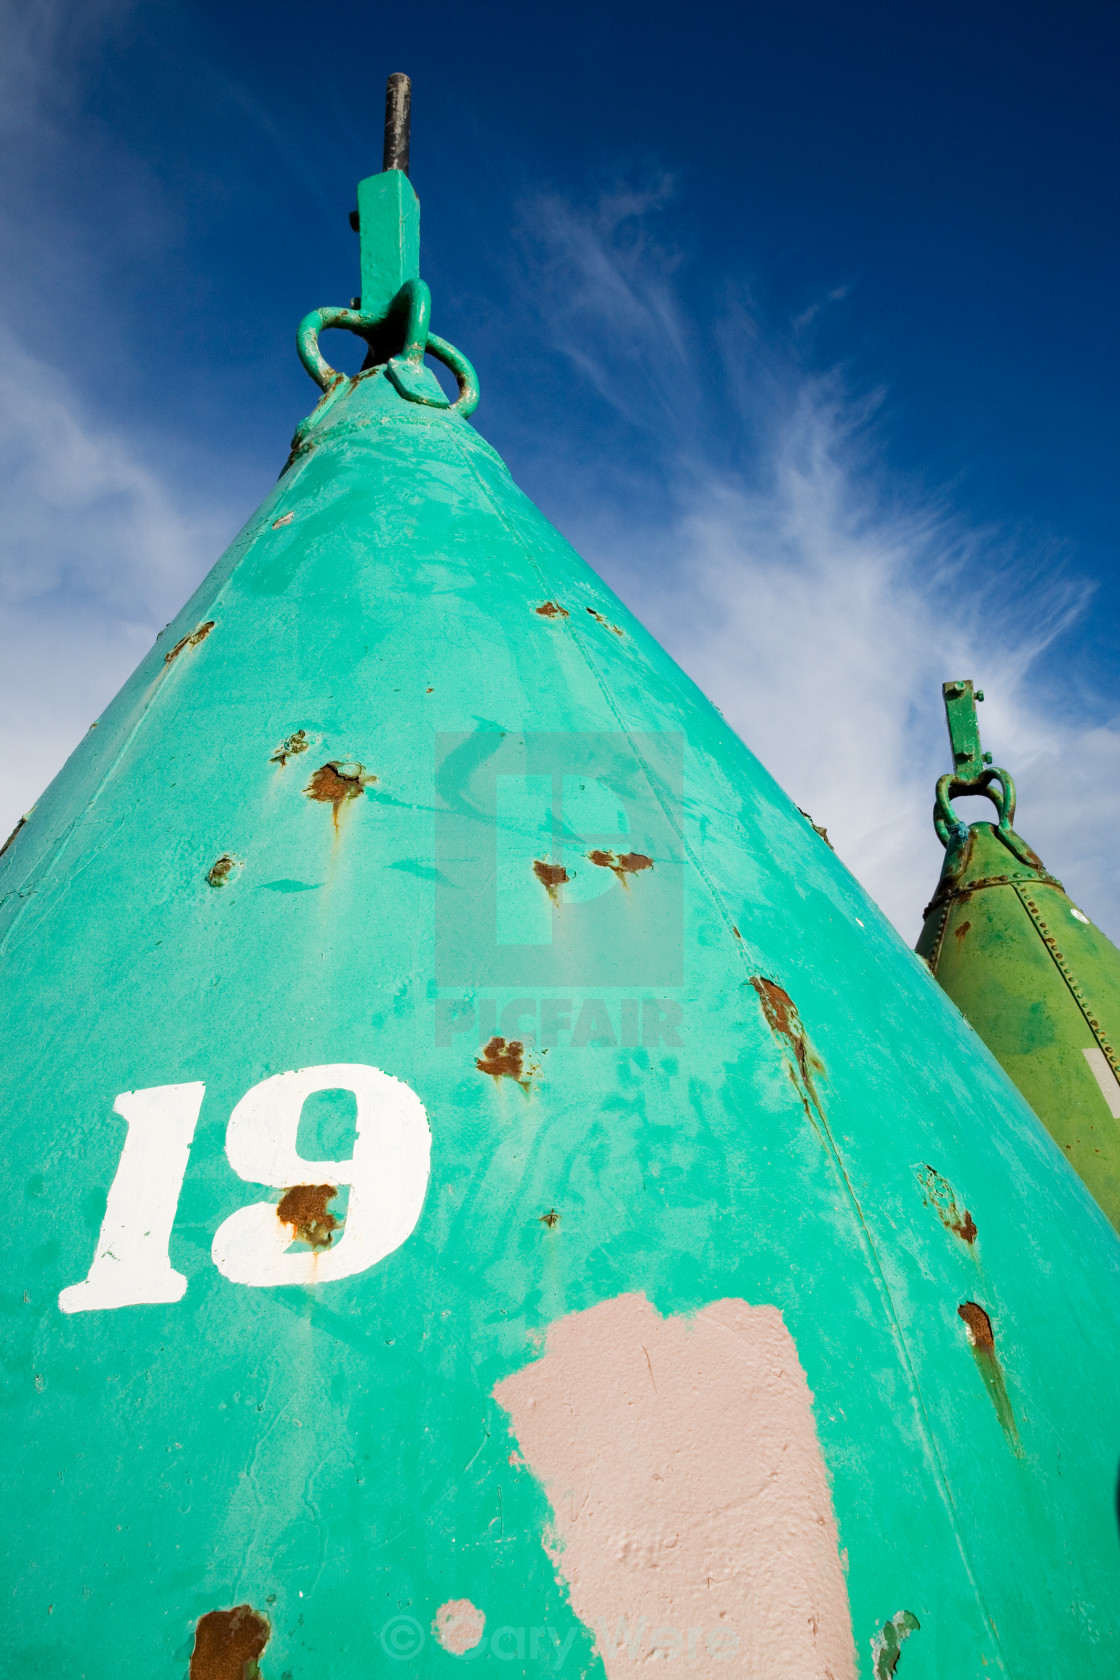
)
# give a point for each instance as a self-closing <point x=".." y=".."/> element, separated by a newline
<point x="414" y="301"/>
<point x="946" y="821"/>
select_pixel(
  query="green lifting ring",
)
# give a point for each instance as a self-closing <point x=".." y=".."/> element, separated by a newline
<point x="949" y="825"/>
<point x="414" y="300"/>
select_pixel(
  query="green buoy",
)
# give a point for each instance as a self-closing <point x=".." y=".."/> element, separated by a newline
<point x="1025" y="965"/>
<point x="485" y="1183"/>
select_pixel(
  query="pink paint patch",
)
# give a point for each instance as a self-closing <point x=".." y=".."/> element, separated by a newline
<point x="459" y="1626"/>
<point x="690" y="1500"/>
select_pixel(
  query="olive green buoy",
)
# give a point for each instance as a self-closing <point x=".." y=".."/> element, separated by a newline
<point x="1024" y="964"/>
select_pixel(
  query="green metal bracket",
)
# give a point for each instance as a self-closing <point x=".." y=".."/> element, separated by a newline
<point x="389" y="231"/>
<point x="969" y="758"/>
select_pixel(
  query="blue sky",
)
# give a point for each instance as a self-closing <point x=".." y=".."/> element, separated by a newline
<point x="798" y="319"/>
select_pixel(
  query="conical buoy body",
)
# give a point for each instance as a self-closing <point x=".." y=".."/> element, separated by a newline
<point x="486" y="1182"/>
<point x="1036" y="979"/>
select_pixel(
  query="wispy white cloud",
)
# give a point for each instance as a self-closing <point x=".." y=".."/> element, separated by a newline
<point x="96" y="554"/>
<point x="97" y="550"/>
<point x="817" y="599"/>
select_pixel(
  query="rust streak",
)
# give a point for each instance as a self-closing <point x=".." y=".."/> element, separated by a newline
<point x="552" y="609"/>
<point x="192" y="640"/>
<point x="550" y="876"/>
<point x="959" y="932"/>
<point x="304" y="1209"/>
<point x="227" y="1644"/>
<point x="335" y="783"/>
<point x="983" y="1342"/>
<point x="604" y="621"/>
<point x="782" y="1017"/>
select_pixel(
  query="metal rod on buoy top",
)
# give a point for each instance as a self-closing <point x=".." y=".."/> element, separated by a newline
<point x="398" y="110"/>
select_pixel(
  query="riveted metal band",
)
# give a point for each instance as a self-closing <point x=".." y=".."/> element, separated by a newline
<point x="945" y="894"/>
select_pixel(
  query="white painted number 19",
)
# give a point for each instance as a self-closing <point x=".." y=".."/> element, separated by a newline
<point x="387" y="1176"/>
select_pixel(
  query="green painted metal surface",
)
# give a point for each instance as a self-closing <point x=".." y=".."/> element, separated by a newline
<point x="406" y="799"/>
<point x="389" y="230"/>
<point x="1038" y="981"/>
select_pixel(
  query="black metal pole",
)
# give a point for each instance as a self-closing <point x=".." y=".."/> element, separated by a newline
<point x="398" y="111"/>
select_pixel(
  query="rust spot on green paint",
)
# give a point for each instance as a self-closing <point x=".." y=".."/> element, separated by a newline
<point x="297" y="743"/>
<point x="551" y="1219"/>
<point x="959" y="932"/>
<point x="940" y="1195"/>
<point x="783" y="1019"/>
<point x="604" y="621"/>
<point x="552" y="609"/>
<point x="220" y="872"/>
<point x="227" y="1644"/>
<point x="550" y="876"/>
<point x="304" y="1209"/>
<point x="982" y="1340"/>
<point x="504" y="1061"/>
<point x="335" y="783"/>
<point x="630" y="863"/>
<point x="190" y="641"/>
<point x="886" y="1647"/>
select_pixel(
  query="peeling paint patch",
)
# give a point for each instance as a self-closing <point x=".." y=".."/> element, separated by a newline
<point x="284" y="519"/>
<point x="1105" y="1078"/>
<point x="550" y="876"/>
<point x="459" y="1626"/>
<point x="221" y="870"/>
<point x="939" y="1194"/>
<point x="336" y="783"/>
<point x="604" y="621"/>
<point x="689" y="1496"/>
<point x="303" y="1209"/>
<point x="630" y="863"/>
<point x="297" y="743"/>
<point x="983" y="1343"/>
<point x="505" y="1061"/>
<point x="227" y="1644"/>
<point x="190" y="641"/>
<point x="552" y="609"/>
<point x="886" y="1647"/>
